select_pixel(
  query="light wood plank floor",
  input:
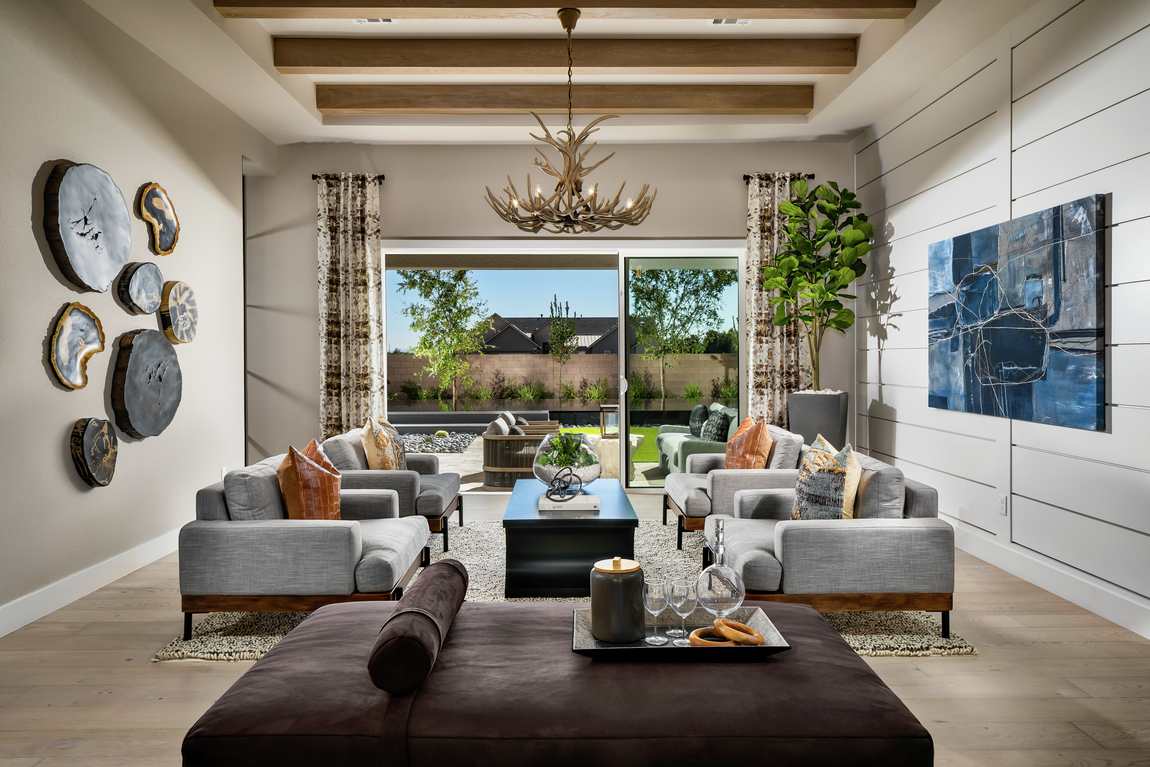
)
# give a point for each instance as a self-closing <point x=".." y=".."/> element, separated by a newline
<point x="1052" y="684"/>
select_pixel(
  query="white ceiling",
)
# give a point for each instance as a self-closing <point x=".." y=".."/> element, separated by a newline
<point x="232" y="60"/>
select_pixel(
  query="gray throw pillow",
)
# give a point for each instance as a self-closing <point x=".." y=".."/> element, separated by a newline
<point x="699" y="415"/>
<point x="498" y="427"/>
<point x="715" y="429"/>
<point x="517" y="431"/>
<point x="520" y="420"/>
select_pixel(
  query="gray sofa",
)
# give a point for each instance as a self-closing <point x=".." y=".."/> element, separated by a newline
<point x="422" y="489"/>
<point x="676" y="443"/>
<point x="242" y="553"/>
<point x="894" y="555"/>
<point x="706" y="488"/>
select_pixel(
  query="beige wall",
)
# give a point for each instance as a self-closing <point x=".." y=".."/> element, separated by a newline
<point x="75" y="87"/>
<point x="683" y="369"/>
<point x="437" y="192"/>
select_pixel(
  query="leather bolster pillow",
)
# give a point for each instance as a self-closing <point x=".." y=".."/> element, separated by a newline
<point x="409" y="642"/>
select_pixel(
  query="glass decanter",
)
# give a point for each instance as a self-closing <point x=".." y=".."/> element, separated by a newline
<point x="720" y="589"/>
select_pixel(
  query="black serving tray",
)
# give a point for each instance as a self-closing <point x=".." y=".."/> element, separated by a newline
<point x="584" y="643"/>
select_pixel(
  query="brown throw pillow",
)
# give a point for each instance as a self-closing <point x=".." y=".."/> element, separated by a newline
<point x="742" y="448"/>
<point x="310" y="484"/>
<point x="766" y="447"/>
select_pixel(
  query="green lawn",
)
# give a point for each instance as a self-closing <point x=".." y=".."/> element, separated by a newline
<point x="646" y="452"/>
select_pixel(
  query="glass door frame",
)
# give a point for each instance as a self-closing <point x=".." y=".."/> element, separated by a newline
<point x="688" y="251"/>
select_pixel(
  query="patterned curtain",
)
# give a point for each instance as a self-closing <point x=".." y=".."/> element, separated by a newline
<point x="351" y="356"/>
<point x="777" y="357"/>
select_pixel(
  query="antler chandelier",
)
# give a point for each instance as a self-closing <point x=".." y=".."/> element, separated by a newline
<point x="567" y="210"/>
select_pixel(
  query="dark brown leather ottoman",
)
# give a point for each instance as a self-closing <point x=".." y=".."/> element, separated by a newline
<point x="508" y="691"/>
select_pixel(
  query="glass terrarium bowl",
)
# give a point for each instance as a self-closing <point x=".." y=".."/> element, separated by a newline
<point x="562" y="451"/>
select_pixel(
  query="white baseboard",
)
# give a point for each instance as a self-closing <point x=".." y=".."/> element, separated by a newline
<point x="1100" y="597"/>
<point x="31" y="607"/>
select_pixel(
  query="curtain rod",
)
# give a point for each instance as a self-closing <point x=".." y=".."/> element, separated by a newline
<point x="747" y="178"/>
<point x="315" y="177"/>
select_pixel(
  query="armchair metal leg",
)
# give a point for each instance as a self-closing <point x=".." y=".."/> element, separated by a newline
<point x="445" y="528"/>
<point x="187" y="626"/>
<point x="664" y="508"/>
<point x="708" y="557"/>
<point x="461" y="510"/>
<point x="680" y="524"/>
<point x="946" y="624"/>
<point x="425" y="560"/>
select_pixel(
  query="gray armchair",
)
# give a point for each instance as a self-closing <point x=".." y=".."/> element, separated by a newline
<point x="243" y="554"/>
<point x="894" y="555"/>
<point x="422" y="490"/>
<point x="707" y="488"/>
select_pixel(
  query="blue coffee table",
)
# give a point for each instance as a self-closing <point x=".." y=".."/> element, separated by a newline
<point x="551" y="555"/>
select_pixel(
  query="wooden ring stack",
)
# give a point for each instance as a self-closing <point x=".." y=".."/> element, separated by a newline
<point x="725" y="633"/>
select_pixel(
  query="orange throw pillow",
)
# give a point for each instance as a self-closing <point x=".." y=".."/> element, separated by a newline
<point x="742" y="449"/>
<point x="766" y="447"/>
<point x="310" y="484"/>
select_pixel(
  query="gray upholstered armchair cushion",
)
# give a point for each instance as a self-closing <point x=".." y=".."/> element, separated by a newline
<point x="689" y="492"/>
<point x="701" y="463"/>
<point x="787" y="450"/>
<point x="285" y="556"/>
<point x="722" y="484"/>
<point x="881" y="490"/>
<point x="436" y="493"/>
<point x="765" y="504"/>
<point x="406" y="483"/>
<point x="389" y="548"/>
<point x="864" y="556"/>
<point x="424" y="463"/>
<point x="368" y="504"/>
<point x="750" y="551"/>
<point x="211" y="503"/>
<point x="921" y="500"/>
<point x="345" y="451"/>
<point x="253" y="492"/>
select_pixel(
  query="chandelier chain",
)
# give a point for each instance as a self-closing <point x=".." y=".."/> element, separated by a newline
<point x="568" y="79"/>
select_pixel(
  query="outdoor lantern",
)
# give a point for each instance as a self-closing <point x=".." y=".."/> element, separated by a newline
<point x="609" y="421"/>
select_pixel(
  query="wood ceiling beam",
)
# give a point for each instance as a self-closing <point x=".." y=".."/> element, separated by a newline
<point x="375" y="56"/>
<point x="477" y="99"/>
<point x="592" y="9"/>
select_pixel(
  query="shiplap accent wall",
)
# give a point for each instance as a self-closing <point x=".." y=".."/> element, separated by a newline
<point x="1052" y="108"/>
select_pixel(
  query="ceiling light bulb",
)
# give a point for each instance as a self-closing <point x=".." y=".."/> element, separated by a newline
<point x="629" y="202"/>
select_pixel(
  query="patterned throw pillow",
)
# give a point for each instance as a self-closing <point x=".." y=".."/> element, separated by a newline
<point x="743" y="446"/>
<point x="715" y="429"/>
<point x="828" y="482"/>
<point x="383" y="447"/>
<point x="698" y="418"/>
<point x="309" y="483"/>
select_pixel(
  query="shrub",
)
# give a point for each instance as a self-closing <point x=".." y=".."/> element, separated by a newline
<point x="478" y="393"/>
<point x="641" y="386"/>
<point x="692" y="391"/>
<point x="500" y="386"/>
<point x="445" y="406"/>
<point x="600" y="390"/>
<point x="726" y="389"/>
<point x="412" y="389"/>
<point x="533" y="392"/>
<point x="567" y="390"/>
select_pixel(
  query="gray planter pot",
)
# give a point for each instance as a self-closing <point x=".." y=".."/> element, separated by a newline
<point x="812" y="414"/>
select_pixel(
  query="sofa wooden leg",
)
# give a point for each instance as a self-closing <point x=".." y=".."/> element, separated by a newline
<point x="187" y="627"/>
<point x="946" y="624"/>
<point x="679" y="519"/>
<point x="664" y="509"/>
<point x="425" y="560"/>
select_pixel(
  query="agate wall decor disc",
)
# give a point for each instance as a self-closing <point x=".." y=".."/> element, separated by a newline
<point x="156" y="208"/>
<point x="147" y="384"/>
<point x="88" y="226"/>
<point x="178" y="312"/>
<point x="94" y="447"/>
<point x="140" y="286"/>
<point x="78" y="336"/>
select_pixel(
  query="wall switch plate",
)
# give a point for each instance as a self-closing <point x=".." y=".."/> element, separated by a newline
<point x="1002" y="505"/>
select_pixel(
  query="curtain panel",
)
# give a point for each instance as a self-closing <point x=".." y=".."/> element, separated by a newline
<point x="351" y="356"/>
<point x="777" y="357"/>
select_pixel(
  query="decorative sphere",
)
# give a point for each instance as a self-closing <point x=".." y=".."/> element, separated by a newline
<point x="573" y="450"/>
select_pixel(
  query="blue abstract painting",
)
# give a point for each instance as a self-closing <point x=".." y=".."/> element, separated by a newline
<point x="1016" y="318"/>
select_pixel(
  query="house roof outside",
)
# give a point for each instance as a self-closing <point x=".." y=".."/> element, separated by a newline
<point x="588" y="330"/>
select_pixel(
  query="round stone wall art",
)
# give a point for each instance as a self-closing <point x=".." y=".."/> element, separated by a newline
<point x="147" y="384"/>
<point x="88" y="226"/>
<point x="94" y="448"/>
<point x="140" y="286"/>
<point x="156" y="208"/>
<point x="178" y="312"/>
<point x="77" y="338"/>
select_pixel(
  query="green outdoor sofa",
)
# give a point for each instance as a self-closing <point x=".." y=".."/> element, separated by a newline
<point x="675" y="443"/>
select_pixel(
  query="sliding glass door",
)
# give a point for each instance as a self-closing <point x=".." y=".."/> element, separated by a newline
<point x="680" y="346"/>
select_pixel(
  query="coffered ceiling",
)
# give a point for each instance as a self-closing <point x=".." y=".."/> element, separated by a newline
<point x="468" y="71"/>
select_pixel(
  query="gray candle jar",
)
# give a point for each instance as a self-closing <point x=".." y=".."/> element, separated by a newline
<point x="617" y="601"/>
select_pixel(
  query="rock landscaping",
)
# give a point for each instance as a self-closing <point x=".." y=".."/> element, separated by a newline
<point x="449" y="442"/>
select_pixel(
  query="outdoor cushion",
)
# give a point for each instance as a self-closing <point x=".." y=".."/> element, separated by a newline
<point x="498" y="427"/>
<point x="507" y="418"/>
<point x="253" y="492"/>
<point x="787" y="448"/>
<point x="750" y="550"/>
<point x="699" y="415"/>
<point x="436" y="492"/>
<point x="689" y="492"/>
<point x="520" y="421"/>
<point x="345" y="451"/>
<point x="389" y="548"/>
<point x="881" y="490"/>
<point x="716" y="427"/>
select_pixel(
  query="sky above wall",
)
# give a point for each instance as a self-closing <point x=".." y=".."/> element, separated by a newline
<point x="528" y="293"/>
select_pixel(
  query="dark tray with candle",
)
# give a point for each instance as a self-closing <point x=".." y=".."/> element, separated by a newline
<point x="584" y="643"/>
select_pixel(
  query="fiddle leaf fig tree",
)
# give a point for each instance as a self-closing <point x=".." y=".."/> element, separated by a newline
<point x="820" y="255"/>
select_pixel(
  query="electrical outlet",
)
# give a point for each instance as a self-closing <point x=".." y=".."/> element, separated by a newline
<point x="1002" y="505"/>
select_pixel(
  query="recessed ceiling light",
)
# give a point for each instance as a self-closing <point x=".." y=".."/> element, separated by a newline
<point x="730" y="22"/>
<point x="372" y="21"/>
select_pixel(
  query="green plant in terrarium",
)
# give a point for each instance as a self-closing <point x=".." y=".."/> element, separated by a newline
<point x="567" y="450"/>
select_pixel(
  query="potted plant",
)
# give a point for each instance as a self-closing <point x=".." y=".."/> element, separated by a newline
<point x="820" y="255"/>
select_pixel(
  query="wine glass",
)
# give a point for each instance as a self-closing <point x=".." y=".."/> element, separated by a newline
<point x="681" y="595"/>
<point x="673" y="632"/>
<point x="655" y="602"/>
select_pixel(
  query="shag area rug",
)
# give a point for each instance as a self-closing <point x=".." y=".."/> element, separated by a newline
<point x="480" y="547"/>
